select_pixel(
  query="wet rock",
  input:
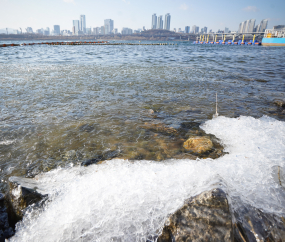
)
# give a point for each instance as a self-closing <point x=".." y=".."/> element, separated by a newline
<point x="86" y="128"/>
<point x="198" y="144"/>
<point x="205" y="217"/>
<point x="107" y="155"/>
<point x="71" y="154"/>
<point x="160" y="128"/>
<point x="280" y="102"/>
<point x="24" y="192"/>
<point x="5" y="229"/>
<point x="254" y="225"/>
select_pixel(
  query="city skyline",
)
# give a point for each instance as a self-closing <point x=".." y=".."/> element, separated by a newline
<point x="127" y="13"/>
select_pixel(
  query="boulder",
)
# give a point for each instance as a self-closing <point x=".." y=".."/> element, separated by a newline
<point x="5" y="230"/>
<point x="24" y="192"/>
<point x="198" y="144"/>
<point x="205" y="217"/>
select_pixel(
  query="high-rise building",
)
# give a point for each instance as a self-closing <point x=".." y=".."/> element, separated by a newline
<point x="205" y="30"/>
<point x="29" y="30"/>
<point x="126" y="31"/>
<point x="187" y="29"/>
<point x="102" y="30"/>
<point x="167" y="21"/>
<point x="75" y="28"/>
<point x="251" y="25"/>
<point x="194" y="29"/>
<point x="197" y="30"/>
<point x="109" y="26"/>
<point x="56" y="30"/>
<point x="154" y="21"/>
<point x="226" y="30"/>
<point x="82" y="25"/>
<point x="47" y="31"/>
<point x="263" y="25"/>
<point x="159" y="22"/>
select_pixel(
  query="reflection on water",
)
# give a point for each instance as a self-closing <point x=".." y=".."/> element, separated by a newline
<point x="62" y="104"/>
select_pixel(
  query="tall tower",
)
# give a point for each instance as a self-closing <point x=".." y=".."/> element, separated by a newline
<point x="159" y="22"/>
<point x="154" y="21"/>
<point x="109" y="26"/>
<point x="251" y="25"/>
<point x="167" y="21"/>
<point x="263" y="25"/>
<point x="82" y="25"/>
<point x="75" y="27"/>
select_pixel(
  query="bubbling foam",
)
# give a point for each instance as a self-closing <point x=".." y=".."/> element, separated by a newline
<point x="121" y="200"/>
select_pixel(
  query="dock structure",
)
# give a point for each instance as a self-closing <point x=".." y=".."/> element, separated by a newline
<point x="230" y="38"/>
<point x="82" y="43"/>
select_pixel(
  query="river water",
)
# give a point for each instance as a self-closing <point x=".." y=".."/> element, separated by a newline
<point x="61" y="105"/>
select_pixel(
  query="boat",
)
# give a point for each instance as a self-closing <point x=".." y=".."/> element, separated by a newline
<point x="273" y="38"/>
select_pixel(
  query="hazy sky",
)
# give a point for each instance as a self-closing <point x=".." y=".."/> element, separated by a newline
<point x="136" y="14"/>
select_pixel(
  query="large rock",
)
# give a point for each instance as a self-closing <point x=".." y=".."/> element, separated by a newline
<point x="205" y="217"/>
<point x="24" y="192"/>
<point x="5" y="230"/>
<point x="198" y="144"/>
<point x="280" y="102"/>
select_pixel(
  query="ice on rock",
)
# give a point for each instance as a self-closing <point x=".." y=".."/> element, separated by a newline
<point x="130" y="201"/>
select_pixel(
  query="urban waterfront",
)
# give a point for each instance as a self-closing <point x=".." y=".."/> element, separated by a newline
<point x="63" y="105"/>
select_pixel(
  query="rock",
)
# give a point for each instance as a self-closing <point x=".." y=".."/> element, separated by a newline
<point x="86" y="128"/>
<point x="71" y="154"/>
<point x="160" y="128"/>
<point x="198" y="144"/>
<point x="205" y="217"/>
<point x="107" y="155"/>
<point x="24" y="192"/>
<point x="5" y="230"/>
<point x="254" y="225"/>
<point x="280" y="102"/>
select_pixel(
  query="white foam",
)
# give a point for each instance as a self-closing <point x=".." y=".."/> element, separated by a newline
<point x="130" y="201"/>
<point x="7" y="142"/>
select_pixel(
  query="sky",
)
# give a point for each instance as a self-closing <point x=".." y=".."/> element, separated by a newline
<point x="136" y="14"/>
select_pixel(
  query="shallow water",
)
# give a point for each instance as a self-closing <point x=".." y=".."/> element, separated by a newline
<point x="61" y="105"/>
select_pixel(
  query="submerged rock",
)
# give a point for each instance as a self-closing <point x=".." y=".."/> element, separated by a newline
<point x="23" y="193"/>
<point x="160" y="128"/>
<point x="107" y="155"/>
<point x="205" y="217"/>
<point x="198" y="144"/>
<point x="280" y="102"/>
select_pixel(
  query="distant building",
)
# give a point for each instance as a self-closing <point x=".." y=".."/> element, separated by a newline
<point x="210" y="31"/>
<point x="75" y="28"/>
<point x="29" y="30"/>
<point x="56" y="30"/>
<point x="167" y="21"/>
<point x="154" y="21"/>
<point x="126" y="31"/>
<point x="205" y="30"/>
<point x="88" y="31"/>
<point x="16" y="31"/>
<point x="197" y="30"/>
<point x="144" y="28"/>
<point x="193" y="29"/>
<point x="102" y="30"/>
<point x="174" y="29"/>
<point x="109" y="26"/>
<point x="279" y="28"/>
<point x="202" y="31"/>
<point x="82" y="26"/>
<point x="47" y="31"/>
<point x="187" y="29"/>
<point x="263" y="25"/>
<point x="226" y="30"/>
<point x="39" y="31"/>
<point x="160" y="22"/>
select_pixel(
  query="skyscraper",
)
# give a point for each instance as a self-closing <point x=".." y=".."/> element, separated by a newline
<point x="167" y="21"/>
<point x="187" y="29"/>
<point x="159" y="22"/>
<point x="109" y="26"/>
<point x="154" y="21"/>
<point x="82" y="26"/>
<point x="197" y="30"/>
<point x="205" y="30"/>
<point x="263" y="25"/>
<point x="251" y="25"/>
<point x="193" y="29"/>
<point x="56" y="30"/>
<point x="75" y="27"/>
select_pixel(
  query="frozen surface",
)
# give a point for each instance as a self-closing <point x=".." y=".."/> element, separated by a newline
<point x="129" y="201"/>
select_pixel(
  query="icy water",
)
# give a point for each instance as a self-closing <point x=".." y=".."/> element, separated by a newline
<point x="61" y="105"/>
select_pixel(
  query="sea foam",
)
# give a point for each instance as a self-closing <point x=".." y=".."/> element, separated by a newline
<point x="121" y="200"/>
